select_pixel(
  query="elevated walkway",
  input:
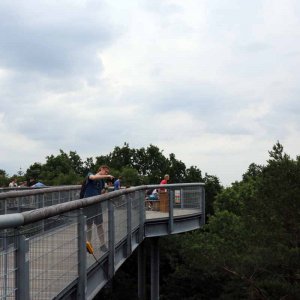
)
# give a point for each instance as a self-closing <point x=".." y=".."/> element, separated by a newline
<point x="43" y="245"/>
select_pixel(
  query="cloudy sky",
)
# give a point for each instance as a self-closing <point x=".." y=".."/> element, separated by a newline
<point x="216" y="82"/>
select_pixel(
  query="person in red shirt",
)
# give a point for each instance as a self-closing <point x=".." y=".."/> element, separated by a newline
<point x="165" y="181"/>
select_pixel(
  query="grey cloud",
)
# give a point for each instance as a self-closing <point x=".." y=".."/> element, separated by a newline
<point x="53" y="45"/>
<point x="213" y="106"/>
<point x="162" y="7"/>
<point x="233" y="13"/>
<point x="197" y="99"/>
<point x="254" y="47"/>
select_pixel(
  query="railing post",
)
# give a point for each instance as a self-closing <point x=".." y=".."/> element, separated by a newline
<point x="142" y="271"/>
<point x="111" y="239"/>
<point x="22" y="268"/>
<point x="43" y="205"/>
<point x="181" y="198"/>
<point x="203" y="205"/>
<point x="141" y="215"/>
<point x="5" y="206"/>
<point x="5" y="262"/>
<point x="129" y="234"/>
<point x="82" y="276"/>
<point x="171" y="216"/>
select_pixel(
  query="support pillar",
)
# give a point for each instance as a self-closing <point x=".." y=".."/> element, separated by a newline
<point x="154" y="268"/>
<point x="142" y="271"/>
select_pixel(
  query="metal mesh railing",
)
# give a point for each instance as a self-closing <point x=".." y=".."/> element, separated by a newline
<point x="135" y="208"/>
<point x="53" y="261"/>
<point x="18" y="201"/>
<point x="180" y="200"/>
<point x="97" y="229"/>
<point x="8" y="264"/>
<point x="120" y="217"/>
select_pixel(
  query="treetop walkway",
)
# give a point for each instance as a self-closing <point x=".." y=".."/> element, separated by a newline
<point x="43" y="234"/>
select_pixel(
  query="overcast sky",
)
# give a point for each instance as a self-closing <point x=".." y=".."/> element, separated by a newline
<point x="216" y="82"/>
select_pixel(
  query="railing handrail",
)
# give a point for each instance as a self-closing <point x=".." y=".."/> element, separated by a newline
<point x="23" y="218"/>
<point x="36" y="191"/>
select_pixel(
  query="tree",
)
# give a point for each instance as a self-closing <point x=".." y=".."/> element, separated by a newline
<point x="250" y="247"/>
<point x="156" y="165"/>
<point x="3" y="178"/>
<point x="212" y="189"/>
<point x="254" y="171"/>
<point x="177" y="169"/>
<point x="130" y="177"/>
<point x="193" y="174"/>
<point x="76" y="163"/>
<point x="34" y="171"/>
<point x="121" y="157"/>
<point x="61" y="169"/>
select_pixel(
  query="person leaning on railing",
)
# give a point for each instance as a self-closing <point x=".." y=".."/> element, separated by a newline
<point x="95" y="186"/>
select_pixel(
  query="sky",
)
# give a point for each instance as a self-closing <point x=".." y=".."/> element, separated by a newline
<point x="216" y="82"/>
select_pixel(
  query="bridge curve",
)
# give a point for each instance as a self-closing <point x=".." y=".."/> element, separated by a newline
<point x="44" y="233"/>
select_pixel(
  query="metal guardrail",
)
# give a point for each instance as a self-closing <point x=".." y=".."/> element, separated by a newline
<point x="43" y="236"/>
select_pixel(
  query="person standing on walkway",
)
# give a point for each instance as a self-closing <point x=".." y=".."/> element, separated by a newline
<point x="13" y="183"/>
<point x="165" y="181"/>
<point x="117" y="183"/>
<point x="95" y="186"/>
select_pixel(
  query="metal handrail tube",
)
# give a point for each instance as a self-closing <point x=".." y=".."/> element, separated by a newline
<point x="37" y="191"/>
<point x="23" y="218"/>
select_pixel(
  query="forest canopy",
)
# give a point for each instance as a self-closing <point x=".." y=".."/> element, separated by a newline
<point x="136" y="166"/>
<point x="249" y="246"/>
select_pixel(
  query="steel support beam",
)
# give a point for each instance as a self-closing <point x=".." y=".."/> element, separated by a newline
<point x="142" y="271"/>
<point x="154" y="268"/>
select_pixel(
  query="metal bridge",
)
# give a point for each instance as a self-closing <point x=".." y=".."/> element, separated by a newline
<point x="43" y="234"/>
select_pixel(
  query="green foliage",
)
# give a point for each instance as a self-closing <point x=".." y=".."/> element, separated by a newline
<point x="34" y="171"/>
<point x="4" y="180"/>
<point x="130" y="177"/>
<point x="250" y="247"/>
<point x="136" y="166"/>
<point x="176" y="169"/>
<point x="121" y="157"/>
<point x="193" y="174"/>
<point x="254" y="172"/>
<point x="66" y="179"/>
<point x="233" y="198"/>
<point x="212" y="189"/>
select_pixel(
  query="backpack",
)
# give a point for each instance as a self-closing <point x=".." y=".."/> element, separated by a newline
<point x="83" y="188"/>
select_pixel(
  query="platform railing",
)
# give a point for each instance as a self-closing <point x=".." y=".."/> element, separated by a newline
<point x="43" y="250"/>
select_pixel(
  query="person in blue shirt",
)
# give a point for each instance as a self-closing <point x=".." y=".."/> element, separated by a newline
<point x="117" y="184"/>
<point x="96" y="186"/>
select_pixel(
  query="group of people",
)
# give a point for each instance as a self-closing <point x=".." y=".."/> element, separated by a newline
<point x="30" y="183"/>
<point x="13" y="183"/>
<point x="153" y="194"/>
<point x="95" y="185"/>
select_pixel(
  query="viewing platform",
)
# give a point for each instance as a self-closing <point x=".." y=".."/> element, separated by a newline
<point x="44" y="232"/>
